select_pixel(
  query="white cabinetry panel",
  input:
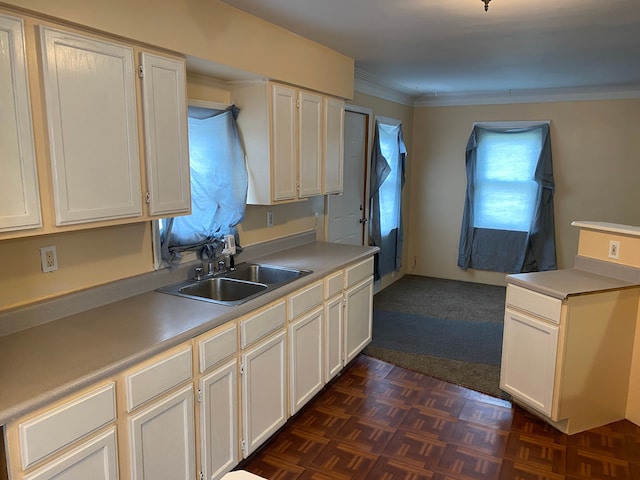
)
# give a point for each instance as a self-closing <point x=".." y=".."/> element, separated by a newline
<point x="166" y="138"/>
<point x="92" y="124"/>
<point x="163" y="439"/>
<point x="264" y="391"/>
<point x="95" y="460"/>
<point x="309" y="144"/>
<point x="529" y="359"/>
<point x="219" y="421"/>
<point x="333" y="145"/>
<point x="305" y="361"/>
<point x="19" y="197"/>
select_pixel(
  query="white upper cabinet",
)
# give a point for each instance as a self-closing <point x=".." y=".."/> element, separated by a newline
<point x="287" y="142"/>
<point x="166" y="138"/>
<point x="309" y="144"/>
<point x="19" y="199"/>
<point x="90" y="100"/>
<point x="333" y="145"/>
<point x="283" y="143"/>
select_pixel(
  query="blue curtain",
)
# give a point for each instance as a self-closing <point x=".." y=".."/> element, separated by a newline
<point x="389" y="240"/>
<point x="219" y="183"/>
<point x="504" y="250"/>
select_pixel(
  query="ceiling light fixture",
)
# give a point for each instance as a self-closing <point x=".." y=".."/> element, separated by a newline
<point x="486" y="4"/>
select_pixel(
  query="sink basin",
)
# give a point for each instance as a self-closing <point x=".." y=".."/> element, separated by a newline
<point x="237" y="286"/>
<point x="269" y="274"/>
<point x="222" y="289"/>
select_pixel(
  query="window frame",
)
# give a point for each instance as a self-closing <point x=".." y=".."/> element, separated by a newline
<point x="187" y="257"/>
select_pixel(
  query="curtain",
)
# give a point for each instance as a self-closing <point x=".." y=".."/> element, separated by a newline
<point x="219" y="183"/>
<point x="388" y="161"/>
<point x="511" y="251"/>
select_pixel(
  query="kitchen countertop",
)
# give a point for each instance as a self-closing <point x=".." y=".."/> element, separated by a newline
<point x="46" y="362"/>
<point x="564" y="283"/>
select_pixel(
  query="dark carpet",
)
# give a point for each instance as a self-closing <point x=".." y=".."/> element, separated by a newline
<point x="447" y="329"/>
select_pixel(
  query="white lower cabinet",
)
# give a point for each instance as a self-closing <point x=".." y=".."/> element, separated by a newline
<point x="264" y="391"/>
<point x="96" y="459"/>
<point x="333" y="323"/>
<point x="357" y="318"/>
<point x="72" y="439"/>
<point x="218" y="402"/>
<point x="306" y="359"/>
<point x="529" y="356"/>
<point x="163" y="439"/>
<point x="160" y="417"/>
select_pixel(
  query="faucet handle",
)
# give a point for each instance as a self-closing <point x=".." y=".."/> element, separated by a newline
<point x="198" y="271"/>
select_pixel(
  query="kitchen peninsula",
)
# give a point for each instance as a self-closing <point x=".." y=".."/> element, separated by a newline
<point x="568" y="345"/>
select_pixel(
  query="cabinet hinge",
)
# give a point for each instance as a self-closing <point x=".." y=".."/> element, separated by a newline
<point x="243" y="445"/>
<point x="199" y="396"/>
<point x="200" y="476"/>
<point x="242" y="370"/>
<point x="147" y="197"/>
<point x="140" y="71"/>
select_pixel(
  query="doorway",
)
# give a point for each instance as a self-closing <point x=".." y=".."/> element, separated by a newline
<point x="347" y="213"/>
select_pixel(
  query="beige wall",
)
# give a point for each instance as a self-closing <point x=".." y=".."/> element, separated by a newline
<point x="595" y="162"/>
<point x="404" y="113"/>
<point x="212" y="31"/>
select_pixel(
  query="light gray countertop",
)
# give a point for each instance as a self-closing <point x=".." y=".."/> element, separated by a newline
<point x="46" y="362"/>
<point x="588" y="275"/>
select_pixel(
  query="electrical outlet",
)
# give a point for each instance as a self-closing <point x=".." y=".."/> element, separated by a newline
<point x="614" y="249"/>
<point x="49" y="259"/>
<point x="270" y="218"/>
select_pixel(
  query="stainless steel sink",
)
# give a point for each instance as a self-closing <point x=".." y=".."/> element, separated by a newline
<point x="222" y="289"/>
<point x="247" y="281"/>
<point x="269" y="274"/>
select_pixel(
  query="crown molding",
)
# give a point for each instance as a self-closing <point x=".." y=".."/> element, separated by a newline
<point x="369" y="88"/>
<point x="528" y="96"/>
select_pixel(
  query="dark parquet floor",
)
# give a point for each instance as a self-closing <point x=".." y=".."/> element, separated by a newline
<point x="379" y="421"/>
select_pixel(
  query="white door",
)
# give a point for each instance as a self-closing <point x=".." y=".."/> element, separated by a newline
<point x="345" y="212"/>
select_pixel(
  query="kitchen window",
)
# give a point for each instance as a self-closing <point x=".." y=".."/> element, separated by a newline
<point x="219" y="183"/>
<point x="508" y="221"/>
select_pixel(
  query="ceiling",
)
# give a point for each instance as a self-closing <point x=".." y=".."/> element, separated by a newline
<point x="430" y="48"/>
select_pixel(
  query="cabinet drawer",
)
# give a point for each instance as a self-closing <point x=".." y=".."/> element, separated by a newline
<point x="534" y="303"/>
<point x="217" y="347"/>
<point x="262" y="323"/>
<point x="157" y="377"/>
<point x="304" y="300"/>
<point x="358" y="272"/>
<point x="61" y="426"/>
<point x="333" y="284"/>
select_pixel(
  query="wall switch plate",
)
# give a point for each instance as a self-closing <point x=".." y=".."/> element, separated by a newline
<point x="49" y="259"/>
<point x="614" y="249"/>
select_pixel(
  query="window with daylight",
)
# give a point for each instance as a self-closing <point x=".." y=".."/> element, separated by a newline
<point x="219" y="183"/>
<point x="387" y="179"/>
<point x="508" y="218"/>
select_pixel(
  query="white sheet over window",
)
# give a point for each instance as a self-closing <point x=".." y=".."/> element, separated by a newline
<point x="390" y="189"/>
<point x="505" y="187"/>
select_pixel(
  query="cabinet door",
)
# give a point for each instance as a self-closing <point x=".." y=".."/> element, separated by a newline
<point x="283" y="143"/>
<point x="305" y="359"/>
<point x="333" y="145"/>
<point x="163" y="439"/>
<point x="19" y="198"/>
<point x="96" y="459"/>
<point x="92" y="124"/>
<point x="528" y="366"/>
<point x="264" y="395"/>
<point x="219" y="421"/>
<point x="333" y="314"/>
<point x="310" y="121"/>
<point x="166" y="138"/>
<point x="358" y="317"/>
